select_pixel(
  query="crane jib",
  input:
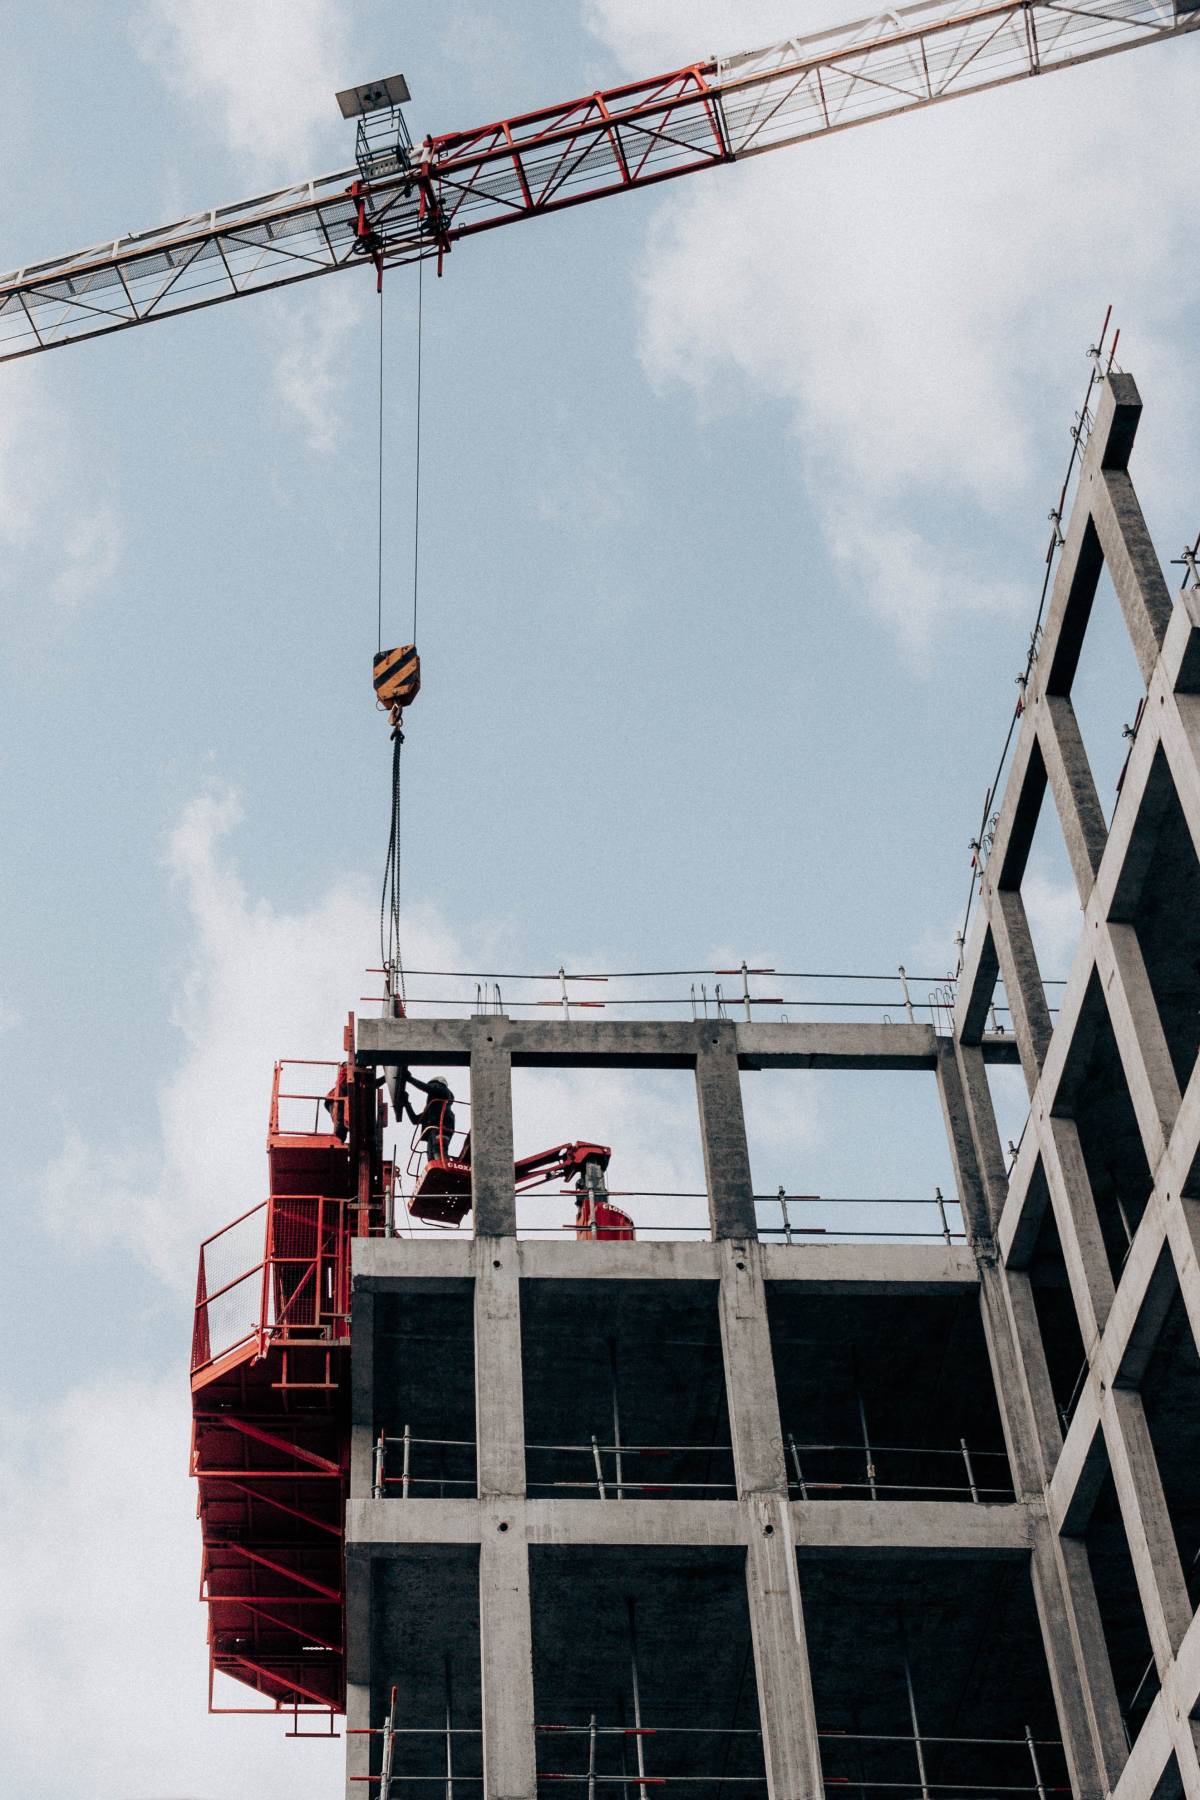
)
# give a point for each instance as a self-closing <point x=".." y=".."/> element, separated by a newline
<point x="615" y="141"/>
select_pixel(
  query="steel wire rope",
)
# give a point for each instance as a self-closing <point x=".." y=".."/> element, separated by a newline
<point x="390" y="954"/>
<point x="379" y="507"/>
<point x="417" y="471"/>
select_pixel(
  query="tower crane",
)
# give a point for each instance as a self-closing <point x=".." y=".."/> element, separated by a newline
<point x="402" y="203"/>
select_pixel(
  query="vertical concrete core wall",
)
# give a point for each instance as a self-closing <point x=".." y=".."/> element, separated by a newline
<point x="764" y="1518"/>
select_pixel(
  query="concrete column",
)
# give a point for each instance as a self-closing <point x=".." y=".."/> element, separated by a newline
<point x="362" y="1391"/>
<point x="723" y="1133"/>
<point x="492" y="1193"/>
<point x="787" y="1714"/>
<point x="506" y="1644"/>
<point x="790" y="1744"/>
<point x="499" y="1400"/>
<point x="758" y="1458"/>
<point x="358" y="1673"/>
<point x="1141" y="1041"/>
<point x="956" y="1117"/>
<point x="1147" y="1523"/>
<point x="1070" y="776"/>
<point x="1089" y="1713"/>
<point x="1022" y="980"/>
<point x="1078" y="1224"/>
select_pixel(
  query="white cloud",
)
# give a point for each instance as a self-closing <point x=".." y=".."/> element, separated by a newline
<point x="310" y="335"/>
<point x="260" y="77"/>
<point x="674" y="33"/>
<point x="260" y="984"/>
<point x="920" y="293"/>
<point x="61" y="531"/>
<point x="101" y="1636"/>
<point x="91" y="544"/>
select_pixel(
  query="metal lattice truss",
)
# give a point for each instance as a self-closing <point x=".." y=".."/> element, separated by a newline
<point x="1132" y="988"/>
<point x="626" y="137"/>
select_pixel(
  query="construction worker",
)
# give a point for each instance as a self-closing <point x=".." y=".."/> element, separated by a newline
<point x="435" y="1121"/>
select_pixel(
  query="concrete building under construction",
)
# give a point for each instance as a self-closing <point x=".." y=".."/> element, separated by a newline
<point x="758" y="1512"/>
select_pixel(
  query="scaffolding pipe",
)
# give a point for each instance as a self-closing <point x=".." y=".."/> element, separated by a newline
<point x="916" y="1728"/>
<point x="787" y="1223"/>
<point x="377" y="1469"/>
<point x="1033" y="1757"/>
<point x="970" y="1472"/>
<point x="796" y="1466"/>
<point x="908" y="1005"/>
<point x="449" y="1734"/>
<point x="866" y="1437"/>
<point x="941" y="1206"/>
<point x="599" y="1468"/>
<point x="592" y="1758"/>
<point x="618" y="1461"/>
<point x="404" y="1468"/>
<point x="389" y="1745"/>
<point x="638" y="1739"/>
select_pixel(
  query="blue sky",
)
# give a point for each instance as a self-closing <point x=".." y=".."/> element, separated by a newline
<point x="734" y="509"/>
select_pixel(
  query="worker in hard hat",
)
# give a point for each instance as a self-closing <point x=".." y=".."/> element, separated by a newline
<point x="435" y="1121"/>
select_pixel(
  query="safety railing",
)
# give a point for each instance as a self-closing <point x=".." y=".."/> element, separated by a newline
<point x="941" y="1767"/>
<point x="658" y="1215"/>
<point x="279" y="1272"/>
<point x="422" y="1757"/>
<point x="681" y="1215"/>
<point x="407" y="1467"/>
<point x="744" y="992"/>
<point x="630" y="1471"/>
<point x="795" y="1218"/>
<point x="296" y="1109"/>
<point x="897" y="1471"/>
<point x="640" y="1756"/>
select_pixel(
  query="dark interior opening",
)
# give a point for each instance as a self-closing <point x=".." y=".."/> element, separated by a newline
<point x="424" y="1386"/>
<point x="928" y="1673"/>
<point x="886" y="1396"/>
<point x="1095" y="1094"/>
<point x="1121" y="1614"/>
<point x="1170" y="1390"/>
<point x="1165" y="918"/>
<point x="624" y="1391"/>
<point x="1054" y="1304"/>
<point x="656" y="1636"/>
<point x="425" y="1641"/>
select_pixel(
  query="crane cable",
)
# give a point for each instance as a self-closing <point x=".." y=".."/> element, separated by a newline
<point x="390" y="954"/>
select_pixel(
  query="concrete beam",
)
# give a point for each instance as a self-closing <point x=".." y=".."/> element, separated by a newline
<point x="382" y="1263"/>
<point x="836" y="1045"/>
<point x="378" y="1528"/>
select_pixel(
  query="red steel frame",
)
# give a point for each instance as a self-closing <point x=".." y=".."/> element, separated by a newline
<point x="541" y="162"/>
<point x="270" y="1437"/>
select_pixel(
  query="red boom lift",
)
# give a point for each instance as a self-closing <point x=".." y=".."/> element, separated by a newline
<point x="270" y="1373"/>
<point x="443" y="1192"/>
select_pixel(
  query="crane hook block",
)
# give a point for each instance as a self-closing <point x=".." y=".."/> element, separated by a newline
<point x="397" y="675"/>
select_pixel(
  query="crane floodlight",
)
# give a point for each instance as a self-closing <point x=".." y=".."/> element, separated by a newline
<point x="373" y="96"/>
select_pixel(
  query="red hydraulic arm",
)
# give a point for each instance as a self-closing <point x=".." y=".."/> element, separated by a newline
<point x="713" y="111"/>
<point x="564" y="1160"/>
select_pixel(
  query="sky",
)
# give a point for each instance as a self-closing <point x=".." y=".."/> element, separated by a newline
<point x="734" y="510"/>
